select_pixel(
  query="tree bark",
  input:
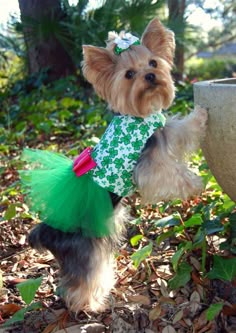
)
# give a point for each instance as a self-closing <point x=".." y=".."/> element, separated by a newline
<point x="44" y="50"/>
<point x="176" y="21"/>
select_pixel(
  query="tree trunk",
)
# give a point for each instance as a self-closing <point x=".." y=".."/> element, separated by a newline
<point x="177" y="24"/>
<point x="40" y="21"/>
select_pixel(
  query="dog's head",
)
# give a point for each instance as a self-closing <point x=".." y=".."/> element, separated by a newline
<point x="137" y="80"/>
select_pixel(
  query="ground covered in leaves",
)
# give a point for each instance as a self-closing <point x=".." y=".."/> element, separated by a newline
<point x="162" y="282"/>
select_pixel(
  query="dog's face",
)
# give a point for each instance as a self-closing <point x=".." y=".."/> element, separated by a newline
<point x="138" y="80"/>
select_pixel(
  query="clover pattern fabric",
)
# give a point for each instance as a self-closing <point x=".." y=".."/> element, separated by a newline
<point x="119" y="149"/>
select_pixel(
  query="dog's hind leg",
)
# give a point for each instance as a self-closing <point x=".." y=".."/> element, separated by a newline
<point x="86" y="264"/>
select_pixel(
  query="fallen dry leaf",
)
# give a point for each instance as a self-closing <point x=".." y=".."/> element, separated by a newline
<point x="229" y="310"/>
<point x="145" y="300"/>
<point x="196" y="278"/>
<point x="89" y="328"/>
<point x="71" y="329"/>
<point x="195" y="262"/>
<point x="195" y="297"/>
<point x="15" y="280"/>
<point x="9" y="309"/>
<point x="60" y="323"/>
<point x="155" y="312"/>
<point x="178" y="316"/>
<point x="194" y="302"/>
<point x="51" y="328"/>
<point x="119" y="325"/>
<point x="200" y="322"/>
<point x="201" y="291"/>
<point x="166" y="300"/>
<point x="168" y="329"/>
<point x="3" y="330"/>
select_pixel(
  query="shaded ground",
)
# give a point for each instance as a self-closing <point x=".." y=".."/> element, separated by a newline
<point x="142" y="300"/>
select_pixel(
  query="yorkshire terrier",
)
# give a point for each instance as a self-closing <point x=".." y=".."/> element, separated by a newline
<point x="134" y="78"/>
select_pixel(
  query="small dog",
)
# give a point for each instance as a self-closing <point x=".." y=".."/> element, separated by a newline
<point x="138" y="152"/>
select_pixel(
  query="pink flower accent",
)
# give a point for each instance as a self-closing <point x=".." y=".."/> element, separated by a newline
<point x="84" y="162"/>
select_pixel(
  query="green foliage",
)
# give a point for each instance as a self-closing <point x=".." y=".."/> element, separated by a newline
<point x="207" y="69"/>
<point x="181" y="277"/>
<point x="19" y="315"/>
<point x="135" y="239"/>
<point x="184" y="246"/>
<point x="214" y="310"/>
<point x="37" y="112"/>
<point x="27" y="291"/>
<point x="216" y="216"/>
<point x="10" y="212"/>
<point x="223" y="268"/>
<point x="10" y="43"/>
<point x="171" y="220"/>
<point x="141" y="254"/>
<point x="81" y="24"/>
<point x="183" y="102"/>
<point x="91" y="26"/>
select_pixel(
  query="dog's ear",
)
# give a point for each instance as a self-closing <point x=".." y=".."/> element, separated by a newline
<point x="159" y="40"/>
<point x="98" y="62"/>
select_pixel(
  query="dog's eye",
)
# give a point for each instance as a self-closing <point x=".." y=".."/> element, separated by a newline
<point x="129" y="74"/>
<point x="153" y="63"/>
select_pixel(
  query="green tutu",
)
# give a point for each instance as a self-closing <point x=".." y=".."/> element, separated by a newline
<point x="63" y="200"/>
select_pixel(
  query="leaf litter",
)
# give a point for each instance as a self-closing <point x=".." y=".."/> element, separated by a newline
<point x="142" y="300"/>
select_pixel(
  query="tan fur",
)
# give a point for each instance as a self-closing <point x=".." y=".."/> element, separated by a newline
<point x="92" y="291"/>
<point x="106" y="72"/>
<point x="161" y="172"/>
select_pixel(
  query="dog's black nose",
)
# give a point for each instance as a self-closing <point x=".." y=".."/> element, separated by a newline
<point x="150" y="77"/>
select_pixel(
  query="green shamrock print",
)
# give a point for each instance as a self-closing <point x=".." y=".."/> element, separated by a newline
<point x="106" y="160"/>
<point x="126" y="139"/>
<point x="119" y="132"/>
<point x="102" y="174"/>
<point x="113" y="152"/>
<point x="131" y="127"/>
<point x="119" y="162"/>
<point x="143" y="129"/>
<point x="112" y="178"/>
<point x="119" y="149"/>
<point x="137" y="144"/>
<point x="117" y="120"/>
<point x="133" y="156"/>
<point x="115" y="141"/>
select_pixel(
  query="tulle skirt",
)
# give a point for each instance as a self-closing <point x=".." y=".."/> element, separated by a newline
<point x="63" y="200"/>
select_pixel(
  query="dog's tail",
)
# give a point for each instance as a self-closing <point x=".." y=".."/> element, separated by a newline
<point x="86" y="264"/>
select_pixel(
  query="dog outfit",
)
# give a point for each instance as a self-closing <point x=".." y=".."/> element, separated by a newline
<point x="119" y="149"/>
<point x="80" y="201"/>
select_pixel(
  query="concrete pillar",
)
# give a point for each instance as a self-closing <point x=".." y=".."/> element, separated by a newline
<point x="219" y="146"/>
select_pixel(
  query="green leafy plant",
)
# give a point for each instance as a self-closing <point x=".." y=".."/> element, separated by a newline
<point x="216" y="216"/>
<point x="223" y="268"/>
<point x="214" y="310"/>
<point x="142" y="254"/>
<point x="181" y="277"/>
<point x="27" y="291"/>
<point x="206" y="69"/>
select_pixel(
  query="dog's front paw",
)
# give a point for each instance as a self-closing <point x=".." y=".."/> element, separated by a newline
<point x="201" y="115"/>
